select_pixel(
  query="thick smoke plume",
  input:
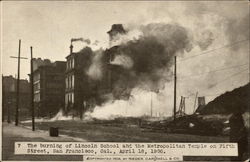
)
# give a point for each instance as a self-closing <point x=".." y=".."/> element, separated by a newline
<point x="145" y="61"/>
<point x="87" y="41"/>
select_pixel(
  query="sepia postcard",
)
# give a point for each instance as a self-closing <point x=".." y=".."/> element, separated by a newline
<point x="125" y="81"/>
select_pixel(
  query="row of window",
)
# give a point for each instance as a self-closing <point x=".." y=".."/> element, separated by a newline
<point x="70" y="63"/>
<point x="37" y="97"/>
<point x="70" y="82"/>
<point x="48" y="85"/>
<point x="69" y="98"/>
<point x="36" y="86"/>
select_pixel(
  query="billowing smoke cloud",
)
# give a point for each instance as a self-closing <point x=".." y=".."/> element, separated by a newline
<point x="145" y="60"/>
<point x="151" y="52"/>
<point x="230" y="22"/>
<point x="87" y="41"/>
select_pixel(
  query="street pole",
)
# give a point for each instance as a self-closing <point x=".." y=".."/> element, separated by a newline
<point x="195" y="101"/>
<point x="32" y="89"/>
<point x="8" y="115"/>
<point x="3" y="101"/>
<point x="18" y="78"/>
<point x="175" y="88"/>
<point x="151" y="105"/>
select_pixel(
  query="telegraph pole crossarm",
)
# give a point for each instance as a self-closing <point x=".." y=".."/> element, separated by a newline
<point x="17" y="57"/>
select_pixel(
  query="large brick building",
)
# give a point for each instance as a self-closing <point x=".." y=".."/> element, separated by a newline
<point x="49" y="88"/>
<point x="78" y="86"/>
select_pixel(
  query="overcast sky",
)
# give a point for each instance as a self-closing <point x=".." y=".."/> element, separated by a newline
<point x="49" y="26"/>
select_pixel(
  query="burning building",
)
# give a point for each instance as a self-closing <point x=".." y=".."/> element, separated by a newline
<point x="143" y="62"/>
<point x="89" y="76"/>
<point x="76" y="80"/>
<point x="49" y="88"/>
<point x="115" y="32"/>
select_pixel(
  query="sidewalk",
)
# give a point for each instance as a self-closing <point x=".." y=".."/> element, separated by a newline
<point x="12" y="134"/>
<point x="23" y="131"/>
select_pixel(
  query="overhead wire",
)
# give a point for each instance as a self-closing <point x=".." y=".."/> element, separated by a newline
<point x="221" y="81"/>
<point x="209" y="51"/>
<point x="216" y="70"/>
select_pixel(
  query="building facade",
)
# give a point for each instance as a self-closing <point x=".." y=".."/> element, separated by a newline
<point x="78" y="84"/>
<point x="49" y="88"/>
<point x="82" y="92"/>
<point x="9" y="97"/>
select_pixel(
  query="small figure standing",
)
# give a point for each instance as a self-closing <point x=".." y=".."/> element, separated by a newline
<point x="238" y="133"/>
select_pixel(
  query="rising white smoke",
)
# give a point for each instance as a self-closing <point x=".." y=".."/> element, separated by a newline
<point x="95" y="69"/>
<point x="123" y="60"/>
<point x="61" y="116"/>
<point x="131" y="35"/>
<point x="139" y="104"/>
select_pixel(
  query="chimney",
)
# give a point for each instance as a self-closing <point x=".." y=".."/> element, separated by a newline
<point x="71" y="48"/>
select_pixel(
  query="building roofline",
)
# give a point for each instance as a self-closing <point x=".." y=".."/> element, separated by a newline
<point x="70" y="55"/>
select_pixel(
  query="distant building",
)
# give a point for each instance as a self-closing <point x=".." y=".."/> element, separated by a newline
<point x="9" y="97"/>
<point x="37" y="62"/>
<point x="49" y="88"/>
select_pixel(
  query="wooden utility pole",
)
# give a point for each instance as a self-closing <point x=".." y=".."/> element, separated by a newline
<point x="32" y="89"/>
<point x="3" y="101"/>
<point x="195" y="101"/>
<point x="151" y="105"/>
<point x="8" y="111"/>
<point x="18" y="78"/>
<point x="175" y="87"/>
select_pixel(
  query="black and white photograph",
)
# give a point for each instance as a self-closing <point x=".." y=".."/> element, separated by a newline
<point x="125" y="81"/>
